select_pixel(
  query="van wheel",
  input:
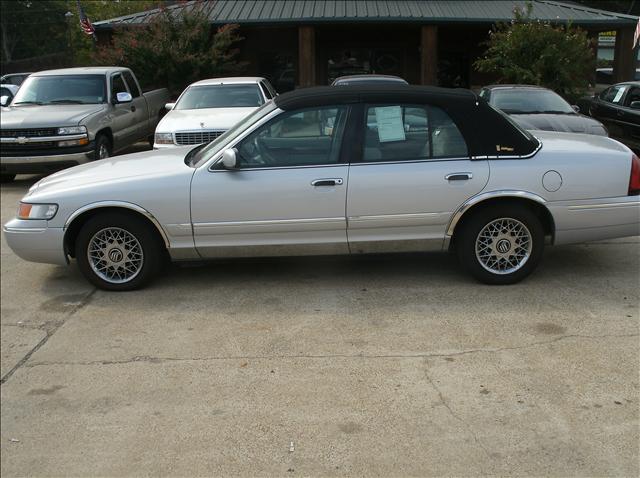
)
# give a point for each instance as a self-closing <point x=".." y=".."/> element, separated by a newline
<point x="501" y="244"/>
<point x="103" y="147"/>
<point x="118" y="252"/>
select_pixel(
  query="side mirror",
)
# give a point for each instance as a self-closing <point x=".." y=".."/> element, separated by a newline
<point x="4" y="100"/>
<point x="576" y="108"/>
<point x="169" y="106"/>
<point x="229" y="158"/>
<point x="124" y="97"/>
<point x="635" y="105"/>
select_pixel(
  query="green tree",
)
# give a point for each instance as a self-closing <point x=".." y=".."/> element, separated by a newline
<point x="539" y="53"/>
<point x="174" y="50"/>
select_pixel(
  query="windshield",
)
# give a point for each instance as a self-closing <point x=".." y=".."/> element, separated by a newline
<point x="519" y="100"/>
<point x="67" y="89"/>
<point x="220" y="96"/>
<point x="202" y="154"/>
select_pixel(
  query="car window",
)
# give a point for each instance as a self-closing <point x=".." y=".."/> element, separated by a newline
<point x="131" y="82"/>
<point x="117" y="85"/>
<point x="297" y="138"/>
<point x="529" y="101"/>
<point x="404" y="133"/>
<point x="632" y="95"/>
<point x="220" y="96"/>
<point x="265" y="90"/>
<point x="50" y="89"/>
<point x="613" y="94"/>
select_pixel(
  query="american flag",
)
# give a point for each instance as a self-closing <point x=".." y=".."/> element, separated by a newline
<point x="85" y="23"/>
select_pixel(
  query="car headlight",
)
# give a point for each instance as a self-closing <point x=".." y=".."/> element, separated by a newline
<point x="163" y="138"/>
<point x="72" y="130"/>
<point x="37" y="211"/>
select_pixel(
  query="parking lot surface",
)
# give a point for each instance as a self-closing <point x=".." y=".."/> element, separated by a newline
<point x="383" y="365"/>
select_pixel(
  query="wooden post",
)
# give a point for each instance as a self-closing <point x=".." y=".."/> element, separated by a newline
<point x="623" y="56"/>
<point x="306" y="56"/>
<point x="429" y="55"/>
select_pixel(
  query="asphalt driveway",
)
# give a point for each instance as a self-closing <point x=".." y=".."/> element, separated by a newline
<point x="383" y="365"/>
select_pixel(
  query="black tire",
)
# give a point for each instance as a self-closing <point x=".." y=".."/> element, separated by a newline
<point x="102" y="141"/>
<point x="150" y="140"/>
<point x="153" y="257"/>
<point x="7" y="178"/>
<point x="466" y="238"/>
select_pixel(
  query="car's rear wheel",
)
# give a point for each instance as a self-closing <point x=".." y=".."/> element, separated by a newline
<point x="501" y="244"/>
<point x="117" y="252"/>
<point x="7" y="178"/>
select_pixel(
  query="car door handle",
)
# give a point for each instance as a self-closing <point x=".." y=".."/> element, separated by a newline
<point x="458" y="176"/>
<point x="327" y="182"/>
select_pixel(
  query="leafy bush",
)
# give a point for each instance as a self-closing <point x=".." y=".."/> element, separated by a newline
<point x="539" y="53"/>
<point x="173" y="50"/>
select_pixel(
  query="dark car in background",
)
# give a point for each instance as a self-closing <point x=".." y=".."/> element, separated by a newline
<point x="14" y="78"/>
<point x="368" y="80"/>
<point x="538" y="108"/>
<point x="618" y="107"/>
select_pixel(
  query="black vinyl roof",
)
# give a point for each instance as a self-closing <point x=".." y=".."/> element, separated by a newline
<point x="368" y="93"/>
<point x="486" y="131"/>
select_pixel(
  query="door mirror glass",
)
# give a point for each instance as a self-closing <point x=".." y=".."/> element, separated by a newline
<point x="4" y="100"/>
<point x="123" y="97"/>
<point x="635" y="105"/>
<point x="576" y="108"/>
<point x="169" y="106"/>
<point x="229" y="158"/>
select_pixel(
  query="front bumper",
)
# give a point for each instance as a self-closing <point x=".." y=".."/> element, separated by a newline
<point x="34" y="241"/>
<point x="45" y="163"/>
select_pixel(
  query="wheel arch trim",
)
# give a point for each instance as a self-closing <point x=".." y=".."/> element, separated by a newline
<point x="117" y="204"/>
<point x="503" y="194"/>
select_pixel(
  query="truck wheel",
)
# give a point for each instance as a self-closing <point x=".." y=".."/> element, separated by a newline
<point x="7" y="178"/>
<point x="103" y="147"/>
<point x="501" y="244"/>
<point x="118" y="252"/>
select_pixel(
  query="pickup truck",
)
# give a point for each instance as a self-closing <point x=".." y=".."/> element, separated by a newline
<point x="62" y="118"/>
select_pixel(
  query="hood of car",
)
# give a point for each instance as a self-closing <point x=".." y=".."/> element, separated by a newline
<point x="568" y="123"/>
<point x="206" y="119"/>
<point x="129" y="168"/>
<point x="46" y="116"/>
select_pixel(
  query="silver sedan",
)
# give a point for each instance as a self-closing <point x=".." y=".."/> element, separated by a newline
<point x="350" y="170"/>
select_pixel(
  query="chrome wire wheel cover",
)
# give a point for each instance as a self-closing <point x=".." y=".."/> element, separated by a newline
<point x="503" y="246"/>
<point x="115" y="255"/>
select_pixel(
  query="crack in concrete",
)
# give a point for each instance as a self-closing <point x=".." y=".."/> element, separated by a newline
<point x="50" y="328"/>
<point x="453" y="414"/>
<point x="150" y="359"/>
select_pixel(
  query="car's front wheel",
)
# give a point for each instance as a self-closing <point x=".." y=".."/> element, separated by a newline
<point x="501" y="244"/>
<point x="103" y="147"/>
<point x="118" y="252"/>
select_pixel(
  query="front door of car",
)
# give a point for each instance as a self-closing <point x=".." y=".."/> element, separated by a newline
<point x="125" y="128"/>
<point x="286" y="196"/>
<point x="414" y="173"/>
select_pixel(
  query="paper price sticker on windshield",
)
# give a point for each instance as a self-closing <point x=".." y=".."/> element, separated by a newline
<point x="390" y="126"/>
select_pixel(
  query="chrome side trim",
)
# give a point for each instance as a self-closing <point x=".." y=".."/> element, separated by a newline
<point x="601" y="206"/>
<point x="489" y="195"/>
<point x="398" y="220"/>
<point x="123" y="204"/>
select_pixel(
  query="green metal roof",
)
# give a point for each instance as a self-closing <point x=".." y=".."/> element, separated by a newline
<point x="253" y="12"/>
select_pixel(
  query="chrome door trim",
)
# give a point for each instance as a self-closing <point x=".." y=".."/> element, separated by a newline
<point x="459" y="176"/>
<point x="273" y="225"/>
<point x="336" y="182"/>
<point x="489" y="195"/>
<point x="524" y="156"/>
<point x="122" y="204"/>
<point x="270" y="168"/>
<point x="397" y="220"/>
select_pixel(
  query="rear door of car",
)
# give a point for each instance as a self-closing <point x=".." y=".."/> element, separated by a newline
<point x="412" y="173"/>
